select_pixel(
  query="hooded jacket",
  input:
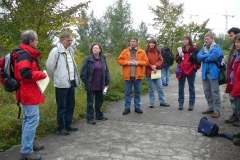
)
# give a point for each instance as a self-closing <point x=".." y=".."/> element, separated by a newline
<point x="27" y="71"/>
<point x="154" y="58"/>
<point x="58" y="69"/>
<point x="210" y="60"/>
<point x="235" y="87"/>
<point x="189" y="63"/>
<point x="125" y="56"/>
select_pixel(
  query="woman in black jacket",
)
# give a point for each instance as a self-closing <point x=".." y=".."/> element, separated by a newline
<point x="95" y="75"/>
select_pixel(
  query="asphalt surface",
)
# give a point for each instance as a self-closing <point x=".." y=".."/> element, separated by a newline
<point x="161" y="133"/>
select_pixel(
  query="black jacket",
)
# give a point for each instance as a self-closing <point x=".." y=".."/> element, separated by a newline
<point x="88" y="68"/>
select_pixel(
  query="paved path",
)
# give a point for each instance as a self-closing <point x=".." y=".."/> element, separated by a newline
<point x="161" y="133"/>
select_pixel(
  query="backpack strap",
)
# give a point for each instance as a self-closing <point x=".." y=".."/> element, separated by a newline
<point x="226" y="135"/>
<point x="18" y="104"/>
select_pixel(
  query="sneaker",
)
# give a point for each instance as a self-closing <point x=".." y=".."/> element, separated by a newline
<point x="138" y="110"/>
<point x="126" y="111"/>
<point x="151" y="105"/>
<point x="215" y="115"/>
<point x="103" y="118"/>
<point x="92" y="122"/>
<point x="31" y="156"/>
<point x="190" y="108"/>
<point x="165" y="104"/>
<point x="37" y="147"/>
<point x="231" y="119"/>
<point x="63" y="132"/>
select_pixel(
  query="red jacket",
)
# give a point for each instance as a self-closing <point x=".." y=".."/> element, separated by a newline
<point x="27" y="71"/>
<point x="235" y="87"/>
<point x="189" y="63"/>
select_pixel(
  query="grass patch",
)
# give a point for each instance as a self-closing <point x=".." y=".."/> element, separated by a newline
<point x="10" y="133"/>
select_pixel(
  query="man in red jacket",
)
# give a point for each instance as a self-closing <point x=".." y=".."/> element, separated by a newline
<point x="27" y="71"/>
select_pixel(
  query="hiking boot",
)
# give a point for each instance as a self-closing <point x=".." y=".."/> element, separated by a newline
<point x="215" y="115"/>
<point x="208" y="111"/>
<point x="63" y="132"/>
<point x="231" y="119"/>
<point x="92" y="122"/>
<point x="190" y="108"/>
<point x="138" y="110"/>
<point x="37" y="147"/>
<point x="103" y="118"/>
<point x="126" y="111"/>
<point x="236" y="124"/>
<point x="180" y="107"/>
<point x="31" y="156"/>
<point x="151" y="105"/>
<point x="165" y="104"/>
<point x="236" y="135"/>
<point x="236" y="143"/>
<point x="72" y="128"/>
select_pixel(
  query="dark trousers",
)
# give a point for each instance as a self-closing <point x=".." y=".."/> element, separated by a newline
<point x="98" y="104"/>
<point x="181" y="86"/>
<point x="237" y="106"/>
<point x="65" y="98"/>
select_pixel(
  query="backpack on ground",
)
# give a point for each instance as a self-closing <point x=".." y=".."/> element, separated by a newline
<point x="7" y="73"/>
<point x="167" y="55"/>
<point x="211" y="129"/>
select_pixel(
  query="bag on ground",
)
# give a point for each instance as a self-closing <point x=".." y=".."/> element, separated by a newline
<point x="211" y="129"/>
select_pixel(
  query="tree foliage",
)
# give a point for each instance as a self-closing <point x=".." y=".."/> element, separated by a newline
<point x="47" y="17"/>
<point x="119" y="21"/>
<point x="169" y="21"/>
<point x="93" y="31"/>
<point x="168" y="18"/>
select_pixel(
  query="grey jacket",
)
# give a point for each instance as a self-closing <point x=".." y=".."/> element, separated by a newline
<point x="57" y="67"/>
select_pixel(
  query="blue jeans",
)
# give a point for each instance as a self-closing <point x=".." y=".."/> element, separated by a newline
<point x="158" y="83"/>
<point x="29" y="125"/>
<point x="137" y="83"/>
<point x="181" y="85"/>
<point x="65" y="98"/>
<point x="98" y="104"/>
<point x="167" y="72"/>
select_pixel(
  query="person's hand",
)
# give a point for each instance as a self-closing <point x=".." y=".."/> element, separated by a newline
<point x="136" y="63"/>
<point x="130" y="63"/>
<point x="155" y="70"/>
<point x="181" y="54"/>
<point x="153" y="67"/>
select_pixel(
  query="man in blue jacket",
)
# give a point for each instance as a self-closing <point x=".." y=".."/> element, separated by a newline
<point x="211" y="56"/>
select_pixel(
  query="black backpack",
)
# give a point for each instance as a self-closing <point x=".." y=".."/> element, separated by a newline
<point x="7" y="73"/>
<point x="167" y="55"/>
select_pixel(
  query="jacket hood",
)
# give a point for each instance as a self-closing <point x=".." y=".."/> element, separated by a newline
<point x="34" y="53"/>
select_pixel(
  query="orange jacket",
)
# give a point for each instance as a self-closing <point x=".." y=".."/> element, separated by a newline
<point x="125" y="56"/>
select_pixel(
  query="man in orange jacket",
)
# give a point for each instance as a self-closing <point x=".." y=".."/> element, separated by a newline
<point x="132" y="59"/>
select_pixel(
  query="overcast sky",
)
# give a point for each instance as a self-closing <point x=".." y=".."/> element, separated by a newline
<point x="198" y="10"/>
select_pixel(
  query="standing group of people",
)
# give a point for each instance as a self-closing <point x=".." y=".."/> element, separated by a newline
<point x="211" y="57"/>
<point x="62" y="69"/>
